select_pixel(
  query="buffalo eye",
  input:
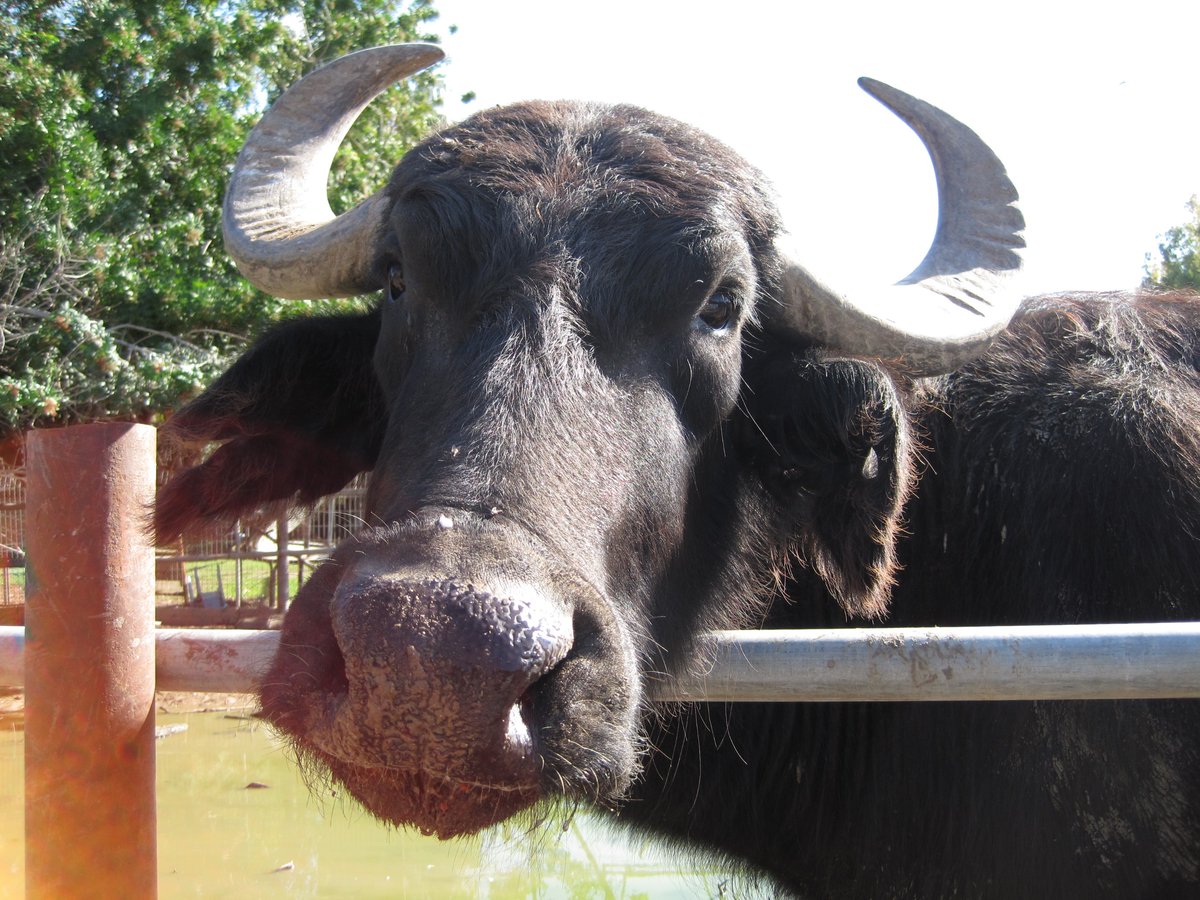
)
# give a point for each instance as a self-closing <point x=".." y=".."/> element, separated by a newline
<point x="718" y="311"/>
<point x="395" y="281"/>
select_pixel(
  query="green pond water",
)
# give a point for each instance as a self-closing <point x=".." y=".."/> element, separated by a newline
<point x="219" y="838"/>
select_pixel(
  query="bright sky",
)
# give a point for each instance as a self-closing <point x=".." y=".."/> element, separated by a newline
<point x="1092" y="106"/>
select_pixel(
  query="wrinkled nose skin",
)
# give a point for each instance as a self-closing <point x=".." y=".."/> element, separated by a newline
<point x="440" y="670"/>
<point x="419" y="688"/>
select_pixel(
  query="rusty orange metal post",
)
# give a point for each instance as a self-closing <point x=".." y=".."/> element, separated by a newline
<point x="89" y="664"/>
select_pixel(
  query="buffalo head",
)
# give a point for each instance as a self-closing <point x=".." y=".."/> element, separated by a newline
<point x="601" y="410"/>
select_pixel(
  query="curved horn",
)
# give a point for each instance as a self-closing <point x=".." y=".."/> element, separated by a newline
<point x="278" y="226"/>
<point x="962" y="294"/>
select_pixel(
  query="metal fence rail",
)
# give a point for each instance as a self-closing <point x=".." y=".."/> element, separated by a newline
<point x="1037" y="662"/>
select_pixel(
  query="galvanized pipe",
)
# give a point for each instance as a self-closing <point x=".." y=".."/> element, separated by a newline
<point x="221" y="660"/>
<point x="12" y="656"/>
<point x="1037" y="662"/>
<point x="89" y="664"/>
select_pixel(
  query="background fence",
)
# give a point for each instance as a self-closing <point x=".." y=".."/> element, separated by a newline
<point x="12" y="534"/>
<point x="242" y="562"/>
<point x="220" y="566"/>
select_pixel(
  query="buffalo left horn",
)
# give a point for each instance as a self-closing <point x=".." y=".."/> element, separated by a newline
<point x="961" y="295"/>
<point x="278" y="226"/>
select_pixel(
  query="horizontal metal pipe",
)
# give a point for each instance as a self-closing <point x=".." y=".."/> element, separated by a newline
<point x="12" y="656"/>
<point x="1034" y="662"/>
<point x="206" y="659"/>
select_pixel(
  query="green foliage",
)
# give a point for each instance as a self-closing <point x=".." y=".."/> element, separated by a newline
<point x="119" y="120"/>
<point x="1178" y="262"/>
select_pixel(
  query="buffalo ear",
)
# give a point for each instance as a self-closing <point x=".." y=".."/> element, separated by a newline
<point x="829" y="440"/>
<point x="300" y="414"/>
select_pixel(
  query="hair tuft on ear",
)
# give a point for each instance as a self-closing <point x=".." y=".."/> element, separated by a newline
<point x="297" y="417"/>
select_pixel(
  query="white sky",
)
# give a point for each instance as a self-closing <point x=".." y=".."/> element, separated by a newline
<point x="1094" y="107"/>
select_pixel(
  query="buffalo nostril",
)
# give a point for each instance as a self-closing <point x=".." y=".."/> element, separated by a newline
<point x="518" y="735"/>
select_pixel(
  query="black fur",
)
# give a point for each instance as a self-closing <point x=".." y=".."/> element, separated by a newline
<point x="1060" y="485"/>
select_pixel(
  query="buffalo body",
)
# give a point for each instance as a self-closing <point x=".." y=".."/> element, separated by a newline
<point x="597" y="428"/>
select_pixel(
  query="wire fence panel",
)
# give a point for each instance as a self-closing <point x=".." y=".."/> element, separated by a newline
<point x="223" y="565"/>
<point x="12" y="535"/>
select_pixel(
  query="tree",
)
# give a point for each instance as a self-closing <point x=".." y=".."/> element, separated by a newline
<point x="1178" y="262"/>
<point x="119" y="120"/>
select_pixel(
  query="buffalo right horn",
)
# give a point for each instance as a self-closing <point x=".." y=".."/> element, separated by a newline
<point x="278" y="226"/>
<point x="961" y="295"/>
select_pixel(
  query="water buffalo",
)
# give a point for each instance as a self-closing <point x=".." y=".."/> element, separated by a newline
<point x="604" y="412"/>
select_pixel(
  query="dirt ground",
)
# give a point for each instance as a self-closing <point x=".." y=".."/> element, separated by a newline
<point x="12" y="702"/>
